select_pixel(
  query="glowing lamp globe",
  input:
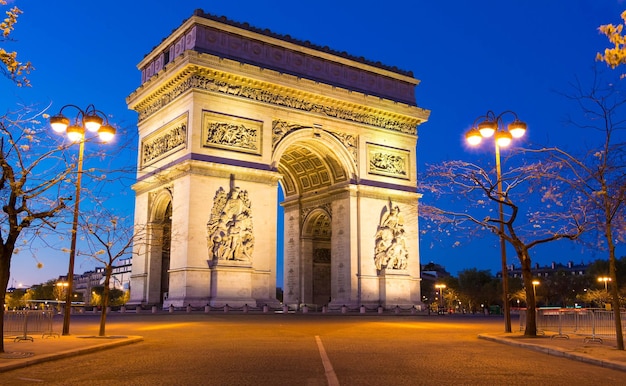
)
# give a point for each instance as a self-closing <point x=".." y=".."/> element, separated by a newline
<point x="473" y="137"/>
<point x="106" y="133"/>
<point x="517" y="128"/>
<point x="59" y="123"/>
<point x="75" y="133"/>
<point x="92" y="122"/>
<point x="487" y="128"/>
<point x="503" y="138"/>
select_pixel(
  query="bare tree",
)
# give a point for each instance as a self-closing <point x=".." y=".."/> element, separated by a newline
<point x="110" y="238"/>
<point x="30" y="188"/>
<point x="534" y="214"/>
<point x="599" y="175"/>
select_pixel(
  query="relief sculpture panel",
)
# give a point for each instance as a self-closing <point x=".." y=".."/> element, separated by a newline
<point x="165" y="141"/>
<point x="231" y="133"/>
<point x="391" y="251"/>
<point x="229" y="231"/>
<point x="387" y="161"/>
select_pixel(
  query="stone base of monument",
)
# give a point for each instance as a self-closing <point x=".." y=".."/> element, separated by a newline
<point x="231" y="283"/>
<point x="395" y="288"/>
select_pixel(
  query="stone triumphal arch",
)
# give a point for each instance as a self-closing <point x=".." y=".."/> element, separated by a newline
<point x="227" y="115"/>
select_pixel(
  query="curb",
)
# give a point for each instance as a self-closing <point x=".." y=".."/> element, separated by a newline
<point x="557" y="352"/>
<point x="116" y="341"/>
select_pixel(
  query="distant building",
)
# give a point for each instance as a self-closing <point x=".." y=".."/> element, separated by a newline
<point x="433" y="272"/>
<point x="84" y="283"/>
<point x="87" y="281"/>
<point x="548" y="270"/>
<point x="121" y="274"/>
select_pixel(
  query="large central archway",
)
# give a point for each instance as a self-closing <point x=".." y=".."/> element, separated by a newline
<point x="227" y="114"/>
<point x="315" y="168"/>
<point x="316" y="242"/>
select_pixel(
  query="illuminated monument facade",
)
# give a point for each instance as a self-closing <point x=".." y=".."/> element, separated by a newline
<point x="230" y="114"/>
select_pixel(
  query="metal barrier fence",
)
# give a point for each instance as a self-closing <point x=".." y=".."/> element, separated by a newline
<point x="595" y="323"/>
<point x="24" y="322"/>
<point x="290" y="308"/>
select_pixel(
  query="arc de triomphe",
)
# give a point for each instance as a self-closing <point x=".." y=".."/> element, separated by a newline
<point x="228" y="114"/>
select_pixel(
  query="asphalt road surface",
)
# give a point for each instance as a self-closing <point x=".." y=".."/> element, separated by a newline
<point x="311" y="349"/>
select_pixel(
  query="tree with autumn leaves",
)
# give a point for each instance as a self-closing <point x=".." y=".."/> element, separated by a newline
<point x="11" y="67"/>
<point x="609" y="197"/>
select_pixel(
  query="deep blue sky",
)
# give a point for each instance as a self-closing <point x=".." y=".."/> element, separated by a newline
<point x="471" y="56"/>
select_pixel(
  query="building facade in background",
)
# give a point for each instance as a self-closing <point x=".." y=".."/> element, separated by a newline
<point x="548" y="270"/>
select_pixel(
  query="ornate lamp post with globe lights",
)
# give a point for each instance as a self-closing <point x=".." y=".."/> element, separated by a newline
<point x="491" y="125"/>
<point x="88" y="120"/>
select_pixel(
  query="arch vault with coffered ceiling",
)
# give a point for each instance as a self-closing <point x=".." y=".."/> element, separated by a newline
<point x="229" y="114"/>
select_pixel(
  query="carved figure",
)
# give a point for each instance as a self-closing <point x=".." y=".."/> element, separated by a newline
<point x="229" y="230"/>
<point x="390" y="250"/>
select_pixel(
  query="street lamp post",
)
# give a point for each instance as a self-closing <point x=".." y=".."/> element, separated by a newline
<point x="535" y="284"/>
<point x="490" y="126"/>
<point x="60" y="291"/>
<point x="606" y="281"/>
<point x="94" y="121"/>
<point x="440" y="287"/>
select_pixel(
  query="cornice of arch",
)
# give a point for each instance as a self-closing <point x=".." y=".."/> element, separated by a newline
<point x="194" y="71"/>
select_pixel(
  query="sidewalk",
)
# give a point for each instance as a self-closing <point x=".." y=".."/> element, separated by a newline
<point x="42" y="349"/>
<point x="599" y="352"/>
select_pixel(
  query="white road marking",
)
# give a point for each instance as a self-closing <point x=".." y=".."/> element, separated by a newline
<point x="328" y="367"/>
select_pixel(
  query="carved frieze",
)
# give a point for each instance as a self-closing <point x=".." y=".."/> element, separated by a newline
<point x="388" y="161"/>
<point x="390" y="245"/>
<point x="229" y="230"/>
<point x="207" y="82"/>
<point x="164" y="141"/>
<point x="232" y="133"/>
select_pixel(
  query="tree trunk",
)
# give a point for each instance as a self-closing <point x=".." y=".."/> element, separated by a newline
<point x="614" y="291"/>
<point x="5" y="270"/>
<point x="105" y="299"/>
<point x="531" y="309"/>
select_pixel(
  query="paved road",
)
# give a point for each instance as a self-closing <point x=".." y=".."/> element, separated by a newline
<point x="218" y="349"/>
